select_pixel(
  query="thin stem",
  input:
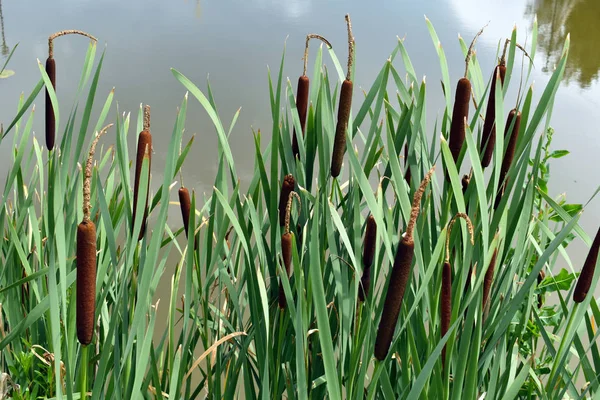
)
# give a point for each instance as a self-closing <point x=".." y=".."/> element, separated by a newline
<point x="88" y="174"/>
<point x="468" y="58"/>
<point x="416" y="206"/>
<point x="450" y="225"/>
<point x="350" y="47"/>
<point x="83" y="373"/>
<point x="63" y="33"/>
<point x="308" y="37"/>
<point x="288" y="210"/>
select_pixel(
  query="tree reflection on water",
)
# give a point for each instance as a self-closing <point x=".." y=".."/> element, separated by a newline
<point x="580" y="18"/>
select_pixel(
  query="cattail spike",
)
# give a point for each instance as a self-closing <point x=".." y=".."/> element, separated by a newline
<point x="302" y="106"/>
<point x="540" y="278"/>
<point x="86" y="281"/>
<point x="185" y="205"/>
<point x="584" y="282"/>
<point x="88" y="174"/>
<point x="451" y="224"/>
<point x="512" y="136"/>
<point x="308" y="37"/>
<point x="143" y="150"/>
<point x="286" y="253"/>
<point x="339" y="144"/>
<point x="50" y="116"/>
<point x="488" y="137"/>
<point x="460" y="113"/>
<point x="63" y="33"/>
<point x="368" y="255"/>
<point x="487" y="282"/>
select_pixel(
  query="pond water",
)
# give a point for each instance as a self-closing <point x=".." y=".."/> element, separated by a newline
<point x="235" y="40"/>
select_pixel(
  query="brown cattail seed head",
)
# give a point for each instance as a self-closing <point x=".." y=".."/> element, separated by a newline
<point x="488" y="137"/>
<point x="185" y="205"/>
<point x="459" y="113"/>
<point x="302" y="106"/>
<point x="540" y="278"/>
<point x="465" y="183"/>
<point x="286" y="253"/>
<point x="368" y="255"/>
<point x="394" y="296"/>
<point x="487" y="280"/>
<point x="50" y="117"/>
<point x="86" y="281"/>
<point x="515" y="116"/>
<point x="446" y="304"/>
<point x="407" y="175"/>
<point x="339" y="144"/>
<point x="286" y="188"/>
<point x="584" y="282"/>
<point x="144" y="147"/>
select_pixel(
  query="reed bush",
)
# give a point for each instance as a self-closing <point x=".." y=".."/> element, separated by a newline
<point x="219" y="331"/>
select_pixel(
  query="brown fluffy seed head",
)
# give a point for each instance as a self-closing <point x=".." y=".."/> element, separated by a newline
<point x="185" y="205"/>
<point x="302" y="106"/>
<point x="367" y="259"/>
<point x="584" y="282"/>
<point x="487" y="280"/>
<point x="86" y="281"/>
<point x="394" y="296"/>
<point x="459" y="113"/>
<point x="286" y="188"/>
<point x="50" y="117"/>
<point x="512" y="135"/>
<point x="488" y="138"/>
<point x="416" y="205"/>
<point x="286" y="254"/>
<point x="144" y="148"/>
<point x="339" y="144"/>
<point x="445" y="304"/>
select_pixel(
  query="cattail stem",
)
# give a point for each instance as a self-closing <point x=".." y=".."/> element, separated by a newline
<point x="445" y="305"/>
<point x="308" y="37"/>
<point x="584" y="282"/>
<point x="470" y="52"/>
<point x="63" y="33"/>
<point x="399" y="278"/>
<point x="83" y="373"/>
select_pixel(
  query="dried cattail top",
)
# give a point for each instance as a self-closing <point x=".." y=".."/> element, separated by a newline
<point x="451" y="224"/>
<point x="350" y="47"/>
<point x="416" y="206"/>
<point x="88" y="175"/>
<point x="63" y="33"/>
<point x="288" y="210"/>
<point x="308" y="37"/>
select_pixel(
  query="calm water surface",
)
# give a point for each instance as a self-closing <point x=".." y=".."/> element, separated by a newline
<point x="235" y="41"/>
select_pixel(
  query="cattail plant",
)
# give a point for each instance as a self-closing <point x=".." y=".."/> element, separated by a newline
<point x="460" y="112"/>
<point x="488" y="136"/>
<point x="584" y="282"/>
<point x="86" y="258"/>
<point x="339" y="144"/>
<point x="399" y="277"/>
<point x="287" y="187"/>
<point x="51" y="71"/>
<point x="144" y="148"/>
<point x="514" y="120"/>
<point x="466" y="179"/>
<point x="286" y="246"/>
<point x="367" y="258"/>
<point x="302" y="93"/>
<point x="446" y="293"/>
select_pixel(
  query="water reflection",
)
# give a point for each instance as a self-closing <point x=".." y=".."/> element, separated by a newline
<point x="3" y="47"/>
<point x="557" y="18"/>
